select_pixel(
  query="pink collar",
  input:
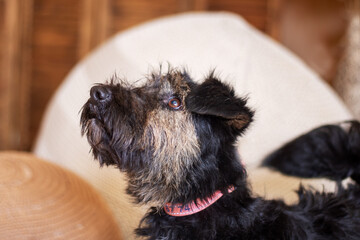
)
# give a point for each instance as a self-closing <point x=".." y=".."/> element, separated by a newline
<point x="179" y="210"/>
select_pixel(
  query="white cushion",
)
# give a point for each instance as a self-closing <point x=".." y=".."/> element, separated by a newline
<point x="288" y="97"/>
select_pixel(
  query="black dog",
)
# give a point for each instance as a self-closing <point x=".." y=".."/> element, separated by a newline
<point x="175" y="140"/>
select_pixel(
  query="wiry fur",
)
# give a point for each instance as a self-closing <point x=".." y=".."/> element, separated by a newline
<point x="178" y="153"/>
<point x="331" y="151"/>
<point x="171" y="161"/>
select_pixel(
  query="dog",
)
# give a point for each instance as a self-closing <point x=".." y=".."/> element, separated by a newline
<point x="175" y="141"/>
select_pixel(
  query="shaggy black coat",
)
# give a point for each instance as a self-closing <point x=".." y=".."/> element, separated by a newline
<point x="219" y="117"/>
<point x="331" y="151"/>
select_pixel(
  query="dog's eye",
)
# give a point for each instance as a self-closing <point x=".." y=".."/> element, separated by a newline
<point x="174" y="103"/>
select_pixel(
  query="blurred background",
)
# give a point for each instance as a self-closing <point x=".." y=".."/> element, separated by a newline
<point x="41" y="40"/>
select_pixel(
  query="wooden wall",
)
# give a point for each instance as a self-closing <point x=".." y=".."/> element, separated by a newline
<point x="41" y="40"/>
<point x="15" y="74"/>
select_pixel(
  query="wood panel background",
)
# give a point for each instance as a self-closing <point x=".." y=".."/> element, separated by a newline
<point x="41" y="40"/>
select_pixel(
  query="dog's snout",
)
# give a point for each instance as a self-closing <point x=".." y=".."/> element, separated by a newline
<point x="100" y="93"/>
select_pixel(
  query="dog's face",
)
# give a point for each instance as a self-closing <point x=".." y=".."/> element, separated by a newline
<point x="158" y="133"/>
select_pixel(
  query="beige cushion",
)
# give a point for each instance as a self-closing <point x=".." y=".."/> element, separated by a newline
<point x="288" y="97"/>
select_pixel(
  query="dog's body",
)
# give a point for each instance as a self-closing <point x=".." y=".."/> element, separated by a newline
<point x="175" y="140"/>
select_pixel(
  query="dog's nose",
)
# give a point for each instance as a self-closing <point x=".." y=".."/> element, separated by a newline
<point x="100" y="93"/>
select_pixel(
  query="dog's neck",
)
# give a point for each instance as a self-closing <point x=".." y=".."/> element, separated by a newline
<point x="223" y="179"/>
<point x="201" y="182"/>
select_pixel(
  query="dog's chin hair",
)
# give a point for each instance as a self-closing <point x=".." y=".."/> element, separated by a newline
<point x="98" y="139"/>
<point x="171" y="138"/>
<point x="95" y="132"/>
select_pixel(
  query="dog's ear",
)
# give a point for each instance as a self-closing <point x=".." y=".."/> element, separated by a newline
<point x="215" y="98"/>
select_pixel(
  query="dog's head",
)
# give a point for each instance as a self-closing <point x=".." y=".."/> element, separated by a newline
<point x="159" y="133"/>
